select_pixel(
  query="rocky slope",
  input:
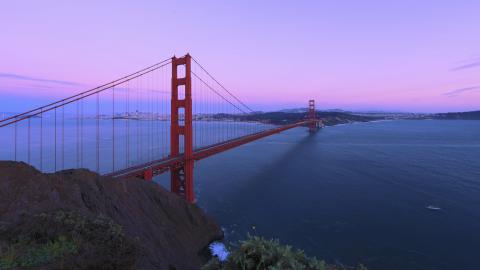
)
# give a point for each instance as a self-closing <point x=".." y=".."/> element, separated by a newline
<point x="170" y="233"/>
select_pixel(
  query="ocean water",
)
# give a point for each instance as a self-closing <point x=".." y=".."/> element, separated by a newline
<point x="391" y="194"/>
<point x="50" y="144"/>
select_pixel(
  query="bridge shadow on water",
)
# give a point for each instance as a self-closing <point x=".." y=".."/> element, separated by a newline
<point x="263" y="193"/>
<point x="283" y="163"/>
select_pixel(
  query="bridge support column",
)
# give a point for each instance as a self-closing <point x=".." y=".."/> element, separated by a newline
<point x="181" y="179"/>
<point x="148" y="174"/>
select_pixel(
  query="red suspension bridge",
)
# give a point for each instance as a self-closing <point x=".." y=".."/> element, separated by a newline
<point x="158" y="119"/>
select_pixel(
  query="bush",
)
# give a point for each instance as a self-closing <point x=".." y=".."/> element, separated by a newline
<point x="257" y="253"/>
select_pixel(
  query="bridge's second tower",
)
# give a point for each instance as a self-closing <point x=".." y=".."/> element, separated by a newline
<point x="181" y="179"/>
<point x="312" y="115"/>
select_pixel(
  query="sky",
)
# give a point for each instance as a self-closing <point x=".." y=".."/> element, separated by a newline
<point x="417" y="56"/>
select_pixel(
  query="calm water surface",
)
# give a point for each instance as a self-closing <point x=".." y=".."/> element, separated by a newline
<point x="347" y="194"/>
<point x="356" y="193"/>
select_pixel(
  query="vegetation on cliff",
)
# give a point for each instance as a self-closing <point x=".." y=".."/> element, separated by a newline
<point x="257" y="253"/>
<point x="66" y="240"/>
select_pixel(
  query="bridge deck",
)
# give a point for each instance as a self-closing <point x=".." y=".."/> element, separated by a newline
<point x="162" y="165"/>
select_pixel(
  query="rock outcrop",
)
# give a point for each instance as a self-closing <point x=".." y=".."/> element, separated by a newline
<point x="171" y="233"/>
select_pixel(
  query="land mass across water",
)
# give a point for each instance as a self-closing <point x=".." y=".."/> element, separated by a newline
<point x="289" y="116"/>
<point x="329" y="118"/>
<point x="334" y="117"/>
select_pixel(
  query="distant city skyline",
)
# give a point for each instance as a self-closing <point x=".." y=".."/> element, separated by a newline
<point x="402" y="56"/>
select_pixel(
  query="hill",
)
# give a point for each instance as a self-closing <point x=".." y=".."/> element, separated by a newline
<point x="328" y="118"/>
<point x="76" y="219"/>
<point x="473" y="115"/>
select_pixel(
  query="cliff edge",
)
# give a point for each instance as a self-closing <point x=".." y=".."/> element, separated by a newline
<point x="167" y="232"/>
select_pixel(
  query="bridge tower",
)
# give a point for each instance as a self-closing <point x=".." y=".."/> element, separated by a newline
<point x="312" y="115"/>
<point x="181" y="175"/>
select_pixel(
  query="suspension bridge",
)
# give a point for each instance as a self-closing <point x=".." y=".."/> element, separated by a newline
<point x="161" y="118"/>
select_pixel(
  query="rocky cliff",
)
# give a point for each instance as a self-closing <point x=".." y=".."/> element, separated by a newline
<point x="168" y="232"/>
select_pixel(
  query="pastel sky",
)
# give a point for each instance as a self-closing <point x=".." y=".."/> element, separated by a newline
<point x="407" y="55"/>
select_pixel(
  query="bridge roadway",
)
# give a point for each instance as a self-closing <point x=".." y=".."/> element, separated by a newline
<point x="159" y="166"/>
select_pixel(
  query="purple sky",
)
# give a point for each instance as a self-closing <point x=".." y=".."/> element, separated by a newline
<point x="404" y="55"/>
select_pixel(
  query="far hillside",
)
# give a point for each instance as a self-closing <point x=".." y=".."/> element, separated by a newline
<point x="328" y="118"/>
<point x="474" y="115"/>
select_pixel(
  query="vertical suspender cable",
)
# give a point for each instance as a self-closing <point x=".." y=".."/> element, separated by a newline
<point x="127" y="125"/>
<point x="63" y="137"/>
<point x="28" y="142"/>
<point x="113" y="128"/>
<point x="81" y="132"/>
<point x="159" y="116"/>
<point x="138" y="120"/>
<point x="15" y="140"/>
<point x="78" y="133"/>
<point x="55" y="140"/>
<point x="150" y="139"/>
<point x="167" y="89"/>
<point x="41" y="140"/>
<point x="98" y="133"/>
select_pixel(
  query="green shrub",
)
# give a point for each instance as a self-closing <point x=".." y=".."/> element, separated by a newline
<point x="257" y="253"/>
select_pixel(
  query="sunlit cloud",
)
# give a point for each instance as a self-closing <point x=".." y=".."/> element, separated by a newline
<point x="27" y="86"/>
<point x="472" y="64"/>
<point x="27" y="78"/>
<point x="459" y="91"/>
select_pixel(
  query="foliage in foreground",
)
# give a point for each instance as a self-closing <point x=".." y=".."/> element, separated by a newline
<point x="66" y="240"/>
<point x="257" y="253"/>
<point x="21" y="254"/>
